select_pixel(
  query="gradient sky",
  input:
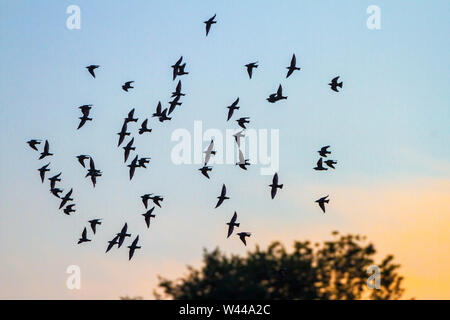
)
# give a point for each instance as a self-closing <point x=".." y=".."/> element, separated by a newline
<point x="388" y="128"/>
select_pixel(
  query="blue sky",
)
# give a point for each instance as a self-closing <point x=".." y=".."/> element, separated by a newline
<point x="389" y="123"/>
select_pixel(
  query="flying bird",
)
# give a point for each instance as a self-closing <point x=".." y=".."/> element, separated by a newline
<point x="81" y="158"/>
<point x="148" y="215"/>
<point x="274" y="186"/>
<point x="163" y="117"/>
<point x="33" y="142"/>
<point x="177" y="92"/>
<point x="142" y="162"/>
<point x="130" y="116"/>
<point x="232" y="224"/>
<point x="250" y="68"/>
<point x="158" y="112"/>
<point x="238" y="136"/>
<point x="319" y="166"/>
<point x="123" y="234"/>
<point x="94" y="224"/>
<point x="43" y="170"/>
<point x="174" y="103"/>
<point x="91" y="69"/>
<point x="204" y="170"/>
<point x="176" y="66"/>
<point x="112" y="242"/>
<point x="56" y="192"/>
<point x="242" y="121"/>
<point x="129" y="147"/>
<point x="331" y="163"/>
<point x="66" y="198"/>
<point x="232" y="107"/>
<point x="242" y="161"/>
<point x="324" y="151"/>
<point x="69" y="209"/>
<point x="209" y="151"/>
<point x="292" y="66"/>
<point x="222" y="196"/>
<point x="274" y="97"/>
<point x="127" y="86"/>
<point x="54" y="179"/>
<point x="208" y="23"/>
<point x="133" y="247"/>
<point x="144" y="127"/>
<point x="334" y="84"/>
<point x="145" y="199"/>
<point x="156" y="200"/>
<point x="83" y="237"/>
<point x="133" y="165"/>
<point x="242" y="236"/>
<point x="83" y="120"/>
<point x="123" y="132"/>
<point x="92" y="172"/>
<point x="85" y="109"/>
<point x="322" y="202"/>
<point x="46" y="151"/>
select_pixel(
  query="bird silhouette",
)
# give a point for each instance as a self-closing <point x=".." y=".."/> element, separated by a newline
<point x="208" y="23"/>
<point x="324" y="151"/>
<point x="243" y="163"/>
<point x="156" y="200"/>
<point x="158" y="112"/>
<point x="238" y="136"/>
<point x="144" y="127"/>
<point x="142" y="162"/>
<point x="123" y="132"/>
<point x="176" y="67"/>
<point x="232" y="224"/>
<point x="175" y="102"/>
<point x="43" y="170"/>
<point x="69" y="209"/>
<point x="334" y="84"/>
<point x="204" y="170"/>
<point x="83" y="237"/>
<point x="129" y="147"/>
<point x="94" y="223"/>
<point x="274" y="186"/>
<point x="91" y="69"/>
<point x="33" y="142"/>
<point x="93" y="172"/>
<point x="177" y="92"/>
<point x="127" y="86"/>
<point x="319" y="166"/>
<point x="292" y="66"/>
<point x="145" y="199"/>
<point x="274" y="97"/>
<point x="148" y="215"/>
<point x="83" y="120"/>
<point x="242" y="121"/>
<point x="331" y="163"/>
<point x="250" y="67"/>
<point x="46" y="152"/>
<point x="322" y="202"/>
<point x="133" y="247"/>
<point x="133" y="165"/>
<point x="130" y="116"/>
<point x="112" y="242"/>
<point x="54" y="179"/>
<point x="209" y="151"/>
<point x="123" y="234"/>
<point x="242" y="236"/>
<point x="85" y="109"/>
<point x="56" y="192"/>
<point x="232" y="107"/>
<point x="222" y="196"/>
<point x="81" y="158"/>
<point x="66" y="198"/>
<point x="163" y="117"/>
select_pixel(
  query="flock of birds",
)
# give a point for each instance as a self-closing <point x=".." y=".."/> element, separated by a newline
<point x="137" y="162"/>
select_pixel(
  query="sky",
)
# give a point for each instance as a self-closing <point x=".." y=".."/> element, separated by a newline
<point x="388" y="130"/>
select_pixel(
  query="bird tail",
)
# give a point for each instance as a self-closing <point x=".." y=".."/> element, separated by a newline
<point x="326" y="201"/>
<point x="280" y="186"/>
<point x="213" y="152"/>
<point x="237" y="224"/>
<point x="339" y="84"/>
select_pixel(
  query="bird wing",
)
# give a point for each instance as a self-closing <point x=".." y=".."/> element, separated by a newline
<point x="249" y="70"/>
<point x="233" y="219"/>
<point x="275" y="179"/>
<point x="242" y="237"/>
<point x="241" y="157"/>
<point x="83" y="235"/>
<point x="280" y="91"/>
<point x="322" y="206"/>
<point x="230" y="230"/>
<point x="230" y="113"/>
<point x="224" y="191"/>
<point x="273" y="191"/>
<point x="46" y="146"/>
<point x="293" y="61"/>
<point x="91" y="164"/>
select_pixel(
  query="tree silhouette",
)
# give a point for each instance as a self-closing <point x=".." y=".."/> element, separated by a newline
<point x="335" y="269"/>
